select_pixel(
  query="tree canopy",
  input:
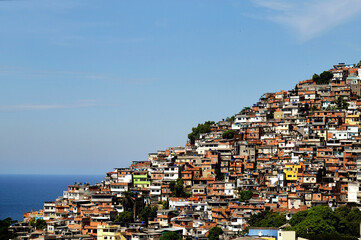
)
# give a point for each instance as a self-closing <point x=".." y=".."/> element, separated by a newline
<point x="124" y="217"/>
<point x="245" y="109"/>
<point x="4" y="228"/>
<point x="341" y="103"/>
<point x="245" y="195"/>
<point x="127" y="201"/>
<point x="323" y="78"/>
<point x="359" y="64"/>
<point x="201" y="128"/>
<point x="214" y="233"/>
<point x="231" y="119"/>
<point x="38" y="224"/>
<point x="267" y="219"/>
<point x="229" y="134"/>
<point x="148" y="213"/>
<point x="170" y="236"/>
<point x="165" y="204"/>
<point x="177" y="188"/>
<point x="323" y="223"/>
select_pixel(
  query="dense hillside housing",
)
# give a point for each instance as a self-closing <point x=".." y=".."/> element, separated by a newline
<point x="293" y="149"/>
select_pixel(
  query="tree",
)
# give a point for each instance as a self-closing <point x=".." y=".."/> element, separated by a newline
<point x="201" y="128"/>
<point x="214" y="233"/>
<point x="148" y="213"/>
<point x="245" y="195"/>
<point x="314" y="108"/>
<point x="38" y="223"/>
<point x="351" y="223"/>
<point x="124" y="217"/>
<point x="267" y="219"/>
<point x="359" y="64"/>
<point x="329" y="108"/>
<point x="323" y="223"/>
<point x="326" y="76"/>
<point x="229" y="134"/>
<point x="127" y="201"/>
<point x="323" y="78"/>
<point x="342" y="211"/>
<point x="165" y="204"/>
<point x="170" y="236"/>
<point x="298" y="217"/>
<point x="341" y="103"/>
<point x="316" y="78"/>
<point x="4" y="228"/>
<point x="231" y="119"/>
<point x="245" y="109"/>
<point x="177" y="188"/>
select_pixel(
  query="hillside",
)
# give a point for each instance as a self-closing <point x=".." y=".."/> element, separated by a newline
<point x="290" y="151"/>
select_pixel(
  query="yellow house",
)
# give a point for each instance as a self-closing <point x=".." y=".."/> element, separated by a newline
<point x="353" y="119"/>
<point x="109" y="232"/>
<point x="291" y="171"/>
<point x="278" y="115"/>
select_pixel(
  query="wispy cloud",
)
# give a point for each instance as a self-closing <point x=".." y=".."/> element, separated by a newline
<point x="38" y="107"/>
<point x="310" y="18"/>
<point x="280" y="5"/>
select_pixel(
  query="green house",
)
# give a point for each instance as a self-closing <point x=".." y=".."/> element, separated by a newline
<point x="141" y="180"/>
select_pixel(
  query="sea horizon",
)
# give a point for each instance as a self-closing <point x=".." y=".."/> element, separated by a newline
<point x="20" y="193"/>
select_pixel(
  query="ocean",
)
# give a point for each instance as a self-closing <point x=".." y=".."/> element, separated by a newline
<point x="22" y="193"/>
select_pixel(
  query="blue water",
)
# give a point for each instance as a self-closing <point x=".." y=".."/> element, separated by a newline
<point x="22" y="193"/>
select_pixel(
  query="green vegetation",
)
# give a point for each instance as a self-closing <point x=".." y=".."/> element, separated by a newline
<point x="314" y="108"/>
<point x="323" y="78"/>
<point x="359" y="64"/>
<point x="170" y="236"/>
<point x="323" y="223"/>
<point x="165" y="204"/>
<point x="38" y="224"/>
<point x="4" y="228"/>
<point x="177" y="188"/>
<point x="341" y="103"/>
<point x="317" y="223"/>
<point x="245" y="109"/>
<point x="201" y="128"/>
<point x="127" y="201"/>
<point x="214" y="233"/>
<point x="245" y="195"/>
<point x="267" y="219"/>
<point x="124" y="217"/>
<point x="231" y="119"/>
<point x="229" y="134"/>
<point x="329" y="108"/>
<point x="148" y="213"/>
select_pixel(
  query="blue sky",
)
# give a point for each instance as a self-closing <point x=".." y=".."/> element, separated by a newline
<point x="92" y="85"/>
